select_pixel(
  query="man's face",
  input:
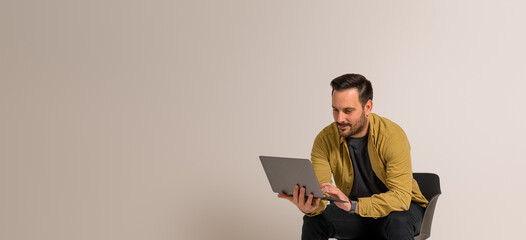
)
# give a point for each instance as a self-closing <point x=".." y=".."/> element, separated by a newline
<point x="351" y="118"/>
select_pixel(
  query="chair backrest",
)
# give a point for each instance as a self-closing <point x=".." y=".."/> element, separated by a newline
<point x="429" y="184"/>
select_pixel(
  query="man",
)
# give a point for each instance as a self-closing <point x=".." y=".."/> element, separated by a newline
<point x="369" y="158"/>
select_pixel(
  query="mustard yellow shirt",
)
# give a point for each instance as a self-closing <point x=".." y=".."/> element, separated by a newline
<point x="390" y="157"/>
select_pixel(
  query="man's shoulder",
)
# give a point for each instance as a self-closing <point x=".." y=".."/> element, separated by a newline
<point x="327" y="138"/>
<point x="384" y="126"/>
<point x="330" y="129"/>
<point x="330" y="132"/>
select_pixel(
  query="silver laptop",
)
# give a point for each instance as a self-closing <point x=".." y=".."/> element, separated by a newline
<point x="285" y="173"/>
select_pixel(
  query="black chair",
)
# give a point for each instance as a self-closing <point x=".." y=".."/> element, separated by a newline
<point x="429" y="184"/>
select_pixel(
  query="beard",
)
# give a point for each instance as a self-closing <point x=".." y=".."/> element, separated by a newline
<point x="354" y="128"/>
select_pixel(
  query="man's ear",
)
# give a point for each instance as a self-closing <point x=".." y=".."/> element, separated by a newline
<point x="368" y="107"/>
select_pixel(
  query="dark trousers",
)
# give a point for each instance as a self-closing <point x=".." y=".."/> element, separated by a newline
<point x="337" y="223"/>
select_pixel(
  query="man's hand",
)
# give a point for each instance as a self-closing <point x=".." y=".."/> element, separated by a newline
<point x="298" y="199"/>
<point x="335" y="192"/>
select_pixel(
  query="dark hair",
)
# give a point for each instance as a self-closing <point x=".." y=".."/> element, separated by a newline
<point x="353" y="80"/>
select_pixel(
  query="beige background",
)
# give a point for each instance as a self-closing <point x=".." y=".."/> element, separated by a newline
<point x="144" y="119"/>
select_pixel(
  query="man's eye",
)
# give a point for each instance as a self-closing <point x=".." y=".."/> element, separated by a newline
<point x="347" y="111"/>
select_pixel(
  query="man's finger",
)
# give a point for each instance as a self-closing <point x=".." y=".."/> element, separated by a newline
<point x="295" y="195"/>
<point x="313" y="207"/>
<point x="309" y="200"/>
<point x="301" y="197"/>
<point x="317" y="204"/>
<point x="325" y="187"/>
<point x="330" y="189"/>
<point x="285" y="196"/>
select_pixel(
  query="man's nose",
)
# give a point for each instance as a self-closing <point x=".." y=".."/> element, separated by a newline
<point x="341" y="117"/>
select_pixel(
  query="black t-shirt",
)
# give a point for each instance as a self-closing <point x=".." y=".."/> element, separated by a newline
<point x="366" y="183"/>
